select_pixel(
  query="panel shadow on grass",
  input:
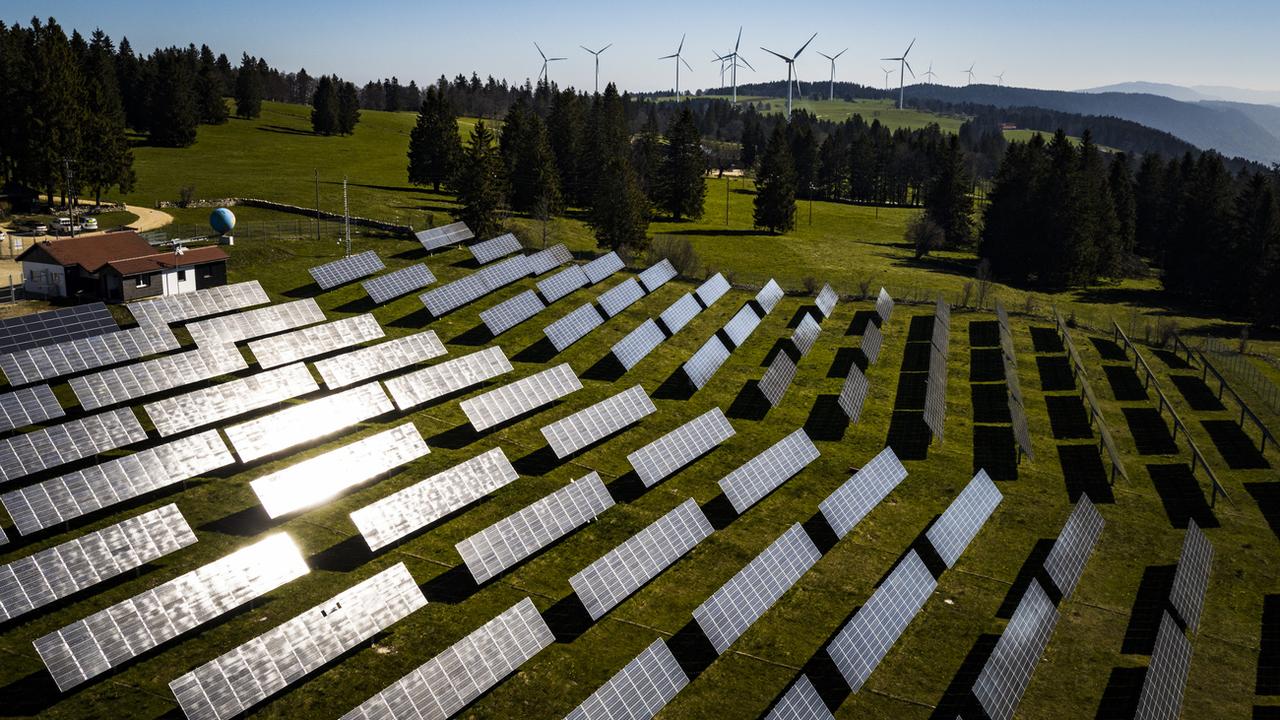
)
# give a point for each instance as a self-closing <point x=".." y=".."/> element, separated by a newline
<point x="858" y="324"/>
<point x="1108" y="350"/>
<point x="1269" y="648"/>
<point x="1032" y="569"/>
<point x="958" y="700"/>
<point x="1125" y="384"/>
<point x="984" y="333"/>
<point x="915" y="357"/>
<point x="692" y="650"/>
<point x="675" y="387"/>
<point x="1067" y="417"/>
<point x="1149" y="431"/>
<point x="826" y="420"/>
<point x="540" y="352"/>
<point x="1120" y="698"/>
<point x="1149" y="604"/>
<point x="1197" y="394"/>
<point x="990" y="403"/>
<point x="750" y="404"/>
<point x="845" y="359"/>
<point x="1267" y="496"/>
<point x="994" y="451"/>
<point x="1084" y="473"/>
<point x="416" y="319"/>
<point x="912" y="388"/>
<point x="920" y="329"/>
<point x="1171" y="359"/>
<point x="475" y="336"/>
<point x="1181" y="494"/>
<point x="1055" y="374"/>
<point x="606" y="369"/>
<point x="908" y="435"/>
<point x="1046" y="340"/>
<point x="344" y="556"/>
<point x="985" y="365"/>
<point x="1235" y="445"/>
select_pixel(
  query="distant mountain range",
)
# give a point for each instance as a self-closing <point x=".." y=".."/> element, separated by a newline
<point x="1195" y="93"/>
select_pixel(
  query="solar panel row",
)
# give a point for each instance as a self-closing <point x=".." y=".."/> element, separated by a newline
<point x="853" y="392"/>
<point x="562" y="283"/>
<point x="777" y="378"/>
<point x="1075" y="543"/>
<point x="800" y="702"/>
<point x="806" y="334"/>
<point x="637" y="344"/>
<point x="1166" y="679"/>
<point x="1191" y="579"/>
<point x="56" y="445"/>
<point x="573" y="327"/>
<point x="826" y="300"/>
<point x="315" y="340"/>
<point x="884" y="305"/>
<point x="596" y="422"/>
<point x="860" y="494"/>
<point x="171" y="309"/>
<point x="656" y="275"/>
<point x="517" y="398"/>
<point x="712" y="289"/>
<point x="511" y="312"/>
<point x="250" y="324"/>
<point x="544" y="261"/>
<point x="130" y="382"/>
<point x="639" y="691"/>
<point x="489" y="250"/>
<point x="392" y="285"/>
<point x="307" y="422"/>
<point x="55" y="326"/>
<point x="1005" y="676"/>
<point x="704" y="363"/>
<point x="369" y="362"/>
<point x="680" y="313"/>
<point x="197" y="408"/>
<point x="28" y="406"/>
<point x="620" y="297"/>
<point x="343" y="270"/>
<point x="602" y="267"/>
<point x="662" y="457"/>
<point x="431" y="383"/>
<point x="444" y="235"/>
<point x="769" y="295"/>
<point x="50" y="361"/>
<point x="962" y="520"/>
<point x="765" y="472"/>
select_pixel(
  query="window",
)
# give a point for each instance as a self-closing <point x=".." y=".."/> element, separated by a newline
<point x="182" y="276"/>
<point x="142" y="281"/>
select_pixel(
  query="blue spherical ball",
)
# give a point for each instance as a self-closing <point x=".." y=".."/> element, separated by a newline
<point x="222" y="221"/>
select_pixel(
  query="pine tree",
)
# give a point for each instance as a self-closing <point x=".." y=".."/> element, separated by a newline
<point x="434" y="147"/>
<point x="565" y="131"/>
<point x="1120" y="186"/>
<point x="249" y="88"/>
<point x="684" y="169"/>
<point x="619" y="211"/>
<point x="210" y="90"/>
<point x="947" y="201"/>
<point x="1152" y="202"/>
<point x="132" y="77"/>
<point x="303" y="87"/>
<point x="105" y="159"/>
<point x="526" y="151"/>
<point x="174" y="114"/>
<point x="55" y="134"/>
<point x="391" y="89"/>
<point x="324" y="107"/>
<point x="348" y="107"/>
<point x="478" y="182"/>
<point x="647" y="157"/>
<point x="775" y="202"/>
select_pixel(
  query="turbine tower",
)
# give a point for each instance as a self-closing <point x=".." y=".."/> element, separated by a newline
<point x="546" y="74"/>
<point x="678" y="60"/>
<point x="930" y="74"/>
<point x="597" y="54"/>
<point x="831" y="93"/>
<point x="903" y="68"/>
<point x="969" y="72"/>
<point x="733" y="58"/>
<point x="887" y="72"/>
<point x="1000" y="79"/>
<point x="791" y="61"/>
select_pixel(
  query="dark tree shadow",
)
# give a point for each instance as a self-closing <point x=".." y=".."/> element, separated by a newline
<point x="1149" y="604"/>
<point x="540" y="351"/>
<point x="994" y="451"/>
<point x="1149" y="431"/>
<point x="909" y="436"/>
<point x="1067" y="417"/>
<point x="1120" y="698"/>
<point x="1085" y="474"/>
<point x="1197" y="394"/>
<point x="984" y="333"/>
<point x="1055" y="374"/>
<point x="958" y="699"/>
<point x="1267" y="496"/>
<point x="1182" y="496"/>
<point x="990" y="403"/>
<point x="1125" y="384"/>
<point x="986" y="365"/>
<point x="1032" y="569"/>
<point x="1046" y="340"/>
<point x="750" y="404"/>
<point x="1269" y="648"/>
<point x="826" y="420"/>
<point x="1235" y="446"/>
<point x="1109" y="350"/>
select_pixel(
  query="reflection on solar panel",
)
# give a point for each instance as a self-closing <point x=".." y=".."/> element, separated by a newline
<point x="727" y="614"/>
<point x="130" y="382"/>
<point x="501" y="274"/>
<point x="514" y="538"/>
<point x="763" y="473"/>
<point x="1021" y="432"/>
<point x="712" y="289"/>
<point x="801" y="702"/>
<point x="256" y="323"/>
<point x="197" y="408"/>
<point x="826" y="300"/>
<point x="544" y="261"/>
<point x="639" y="691"/>
<point x="511" y="312"/>
<point x="864" y="641"/>
<point x="236" y="681"/>
<point x="367" y="362"/>
<point x="806" y="334"/>
<point x="344" y="270"/>
<point x="325" y="476"/>
<point x="776" y="380"/>
<point x="517" y="398"/>
<point x="884" y="305"/>
<point x="28" y="406"/>
<point x="962" y="520"/>
<point x="55" y="326"/>
<point x="657" y="275"/>
<point x="49" y="447"/>
<point x="417" y="506"/>
<point x="422" y="386"/>
<point x="562" y="283"/>
<point x="705" y="362"/>
<point x="860" y="494"/>
<point x="489" y="250"/>
<point x="935" y="398"/>
<point x="872" y="340"/>
<point x="853" y="393"/>
<point x="628" y="567"/>
<point x="453" y="679"/>
<point x="769" y="295"/>
<point x="398" y="282"/>
<point x="111" y="637"/>
<point x="573" y="327"/>
<point x="63" y="499"/>
<point x="741" y="325"/>
<point x="662" y="457"/>
<point x="438" y="237"/>
<point x="307" y="421"/>
<point x="1192" y="576"/>
<point x="638" y="343"/>
<point x="1003" y="679"/>
<point x="602" y="267"/>
<point x="596" y="422"/>
<point x="1075" y="543"/>
<point x="1161" y="697"/>
<point x="620" y="297"/>
<point x="78" y="564"/>
<point x="679" y="313"/>
<point x="171" y="309"/>
<point x="50" y="361"/>
<point x="315" y="340"/>
<point x="454" y="295"/>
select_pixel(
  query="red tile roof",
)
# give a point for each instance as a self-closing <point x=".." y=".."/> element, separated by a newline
<point x="128" y="253"/>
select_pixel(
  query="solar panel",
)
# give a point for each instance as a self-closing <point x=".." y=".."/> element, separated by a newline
<point x="712" y="289"/>
<point x="769" y="295"/>
<point x="638" y="343"/>
<point x="629" y="566"/>
<point x="453" y="679"/>
<point x="620" y="297"/>
<point x="197" y="408"/>
<point x="307" y="422"/>
<point x="597" y="422"/>
<point x="763" y="473"/>
<point x="325" y="476"/>
<point x="1161" y="697"/>
<point x="1002" y="316"/>
<point x="942" y="311"/>
<point x="962" y="520"/>
<point x="801" y="702"/>
<point x="662" y="457"/>
<point x="392" y="285"/>
<point x="872" y="340"/>
<point x="741" y="325"/>
<point x="129" y="382"/>
<point x="853" y="392"/>
<point x="602" y="267"/>
<point x="511" y="312"/>
<point x="863" y="642"/>
<point x="1021" y="432"/>
<point x="1004" y="678"/>
<point x="65" y="498"/>
<point x="170" y="309"/>
<point x="1192" y="576"/>
<point x="731" y="610"/>
<point x="705" y="362"/>
<point x="489" y="250"/>
<point x="514" y="538"/>
<point x="55" y="326"/>
<point x="315" y="340"/>
<point x="49" y="447"/>
<point x="28" y="406"/>
<point x="806" y="334"/>
<point x="544" y="261"/>
<point x="367" y="362"/>
<point x="423" y="386"/>
<point x="405" y="511"/>
<point x="573" y="327"/>
<point x="250" y="324"/>
<point x="517" y="398"/>
<point x="438" y="237"/>
<point x="1011" y="377"/>
<point x="113" y="636"/>
<point x="639" y="691"/>
<point x="935" y="398"/>
<point x="884" y="305"/>
<point x="941" y="336"/>
<point x="656" y="275"/>
<point x="343" y="270"/>
<point x="562" y="283"/>
<point x="1075" y="543"/>
<point x="679" y="313"/>
<point x="860" y="494"/>
<point x="50" y="361"/>
<point x="776" y="379"/>
<point x="80" y="563"/>
<point x="236" y="681"/>
<point x="451" y="296"/>
<point x="501" y="274"/>
<point x="826" y="300"/>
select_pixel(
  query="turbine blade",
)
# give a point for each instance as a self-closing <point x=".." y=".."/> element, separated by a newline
<point x="779" y="55"/>
<point x="544" y="55"/>
<point x="744" y="61"/>
<point x="606" y="47"/>
<point x="739" y="40"/>
<point x="805" y="45"/>
<point x="913" y="72"/>
<point x="667" y="57"/>
<point x="686" y="64"/>
<point x="681" y="47"/>
<point x="824" y="55"/>
<point x="841" y="53"/>
<point x="908" y="52"/>
<point x="584" y="47"/>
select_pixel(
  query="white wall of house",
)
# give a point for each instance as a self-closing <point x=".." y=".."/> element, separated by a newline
<point x="181" y="280"/>
<point x="44" y="279"/>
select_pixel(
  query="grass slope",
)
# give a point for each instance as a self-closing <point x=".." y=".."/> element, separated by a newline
<point x="886" y="111"/>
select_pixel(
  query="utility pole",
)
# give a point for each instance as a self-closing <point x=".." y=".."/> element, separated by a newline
<point x="346" y="214"/>
<point x="69" y="178"/>
<point x="317" y="204"/>
<point x="726" y="201"/>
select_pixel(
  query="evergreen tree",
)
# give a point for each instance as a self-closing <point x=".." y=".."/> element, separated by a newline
<point x="349" y="107"/>
<point x="947" y="201"/>
<point x="303" y="87"/>
<point x="752" y="137"/>
<point x="1124" y="206"/>
<point x="775" y="202"/>
<point x="1151" y="205"/>
<point x="647" y="158"/>
<point x="532" y="185"/>
<point x="478" y="182"/>
<point x="565" y="132"/>
<point x="619" y="212"/>
<point x="324" y="107"/>
<point x="55" y="109"/>
<point x="684" y="169"/>
<point x="249" y="88"/>
<point x="132" y="78"/>
<point x="434" y="147"/>
<point x="174" y="113"/>
<point x="411" y="96"/>
<point x="210" y="90"/>
<point x="105" y="159"/>
<point x="391" y="91"/>
<point x="1011" y="230"/>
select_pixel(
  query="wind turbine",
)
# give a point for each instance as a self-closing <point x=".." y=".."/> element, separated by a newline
<point x="723" y="60"/>
<point x="930" y="74"/>
<point x="887" y="72"/>
<point x="545" y="62"/>
<point x="679" y="60"/>
<point x="903" y="68"/>
<point x="597" y="54"/>
<point x="969" y="72"/>
<point x="1000" y="78"/>
<point x="732" y="64"/>
<point x="832" y="91"/>
<point x="791" y="61"/>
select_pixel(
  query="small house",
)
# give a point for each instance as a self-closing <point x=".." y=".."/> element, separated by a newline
<point x="118" y="267"/>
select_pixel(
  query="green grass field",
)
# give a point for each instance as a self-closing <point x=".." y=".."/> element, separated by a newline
<point x="886" y="111"/>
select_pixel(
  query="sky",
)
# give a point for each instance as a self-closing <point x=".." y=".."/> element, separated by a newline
<point x="1066" y="46"/>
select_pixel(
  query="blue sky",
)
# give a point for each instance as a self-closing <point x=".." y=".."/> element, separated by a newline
<point x="1069" y="45"/>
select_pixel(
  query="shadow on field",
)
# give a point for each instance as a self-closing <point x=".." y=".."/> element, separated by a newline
<point x="1269" y="651"/>
<point x="416" y="253"/>
<point x="1084" y="473"/>
<point x="798" y="315"/>
<point x="1055" y="374"/>
<point x="994" y="451"/>
<point x="606" y="369"/>
<point x="780" y="345"/>
<point x="909" y="436"/>
<point x="719" y="512"/>
<point x="628" y="487"/>
<point x="920" y="329"/>
<point x="473" y="337"/>
<point x="451" y="586"/>
<point x="1125" y="384"/>
<point x="1120" y="698"/>
<point x="1197" y="394"/>
<point x="915" y="357"/>
<point x="1172" y="359"/>
<point x="248" y="522"/>
<point x="820" y="532"/>
<point x="1067" y="417"/>
<point x="539" y="352"/>
<point x="913" y="387"/>
<point x="750" y="404"/>
<point x="344" y="556"/>
<point x="1032" y="569"/>
<point x="675" y="387"/>
<point x="1149" y="431"/>
<point x="1149" y="604"/>
<point x="984" y="333"/>
<point x="539" y="462"/>
<point x="568" y="618"/>
<point x="1267" y="496"/>
<point x="858" y="325"/>
<point x="1235" y="446"/>
<point x="826" y="420"/>
<point x="304" y="291"/>
<point x="845" y="359"/>
<point x="990" y="403"/>
<point x="1046" y="340"/>
<point x="416" y="319"/>
<point x="1108" y="350"/>
<point x="958" y="698"/>
<point x="985" y="365"/>
<point x="1181" y="495"/>
<point x="692" y="650"/>
<point x="32" y="694"/>
<point x="359" y="305"/>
